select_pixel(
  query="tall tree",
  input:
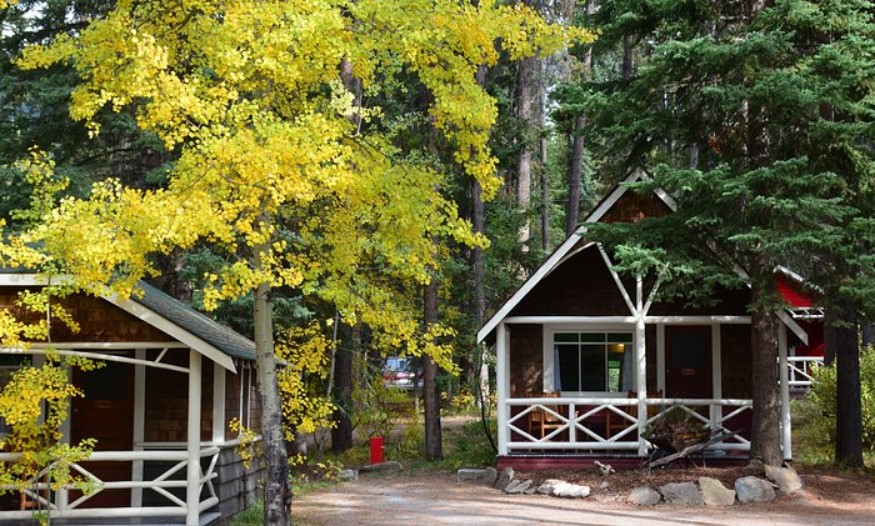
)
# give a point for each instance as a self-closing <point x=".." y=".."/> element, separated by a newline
<point x="270" y="166"/>
<point x="738" y="86"/>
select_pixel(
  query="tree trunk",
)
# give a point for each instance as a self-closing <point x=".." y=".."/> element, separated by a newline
<point x="524" y="161"/>
<point x="542" y="155"/>
<point x="277" y="494"/>
<point x="478" y="272"/>
<point x="575" y="173"/>
<point x="341" y="435"/>
<point x="578" y="143"/>
<point x="849" y="412"/>
<point x="433" y="444"/>
<point x="765" y="442"/>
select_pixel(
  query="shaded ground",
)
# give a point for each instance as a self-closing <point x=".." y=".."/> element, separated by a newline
<point x="830" y="497"/>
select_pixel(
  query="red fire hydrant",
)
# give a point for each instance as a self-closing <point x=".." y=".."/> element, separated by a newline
<point x="377" y="450"/>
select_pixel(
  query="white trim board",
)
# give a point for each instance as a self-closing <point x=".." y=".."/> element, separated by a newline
<point x="138" y="311"/>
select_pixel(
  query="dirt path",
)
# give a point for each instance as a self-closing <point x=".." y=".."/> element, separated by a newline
<point x="426" y="499"/>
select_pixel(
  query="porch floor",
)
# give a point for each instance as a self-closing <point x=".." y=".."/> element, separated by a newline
<point x="205" y="519"/>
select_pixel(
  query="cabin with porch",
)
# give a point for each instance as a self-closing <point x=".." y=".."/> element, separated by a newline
<point x="159" y="410"/>
<point x="587" y="358"/>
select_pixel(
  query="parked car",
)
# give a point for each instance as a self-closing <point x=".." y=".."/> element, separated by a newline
<point x="401" y="372"/>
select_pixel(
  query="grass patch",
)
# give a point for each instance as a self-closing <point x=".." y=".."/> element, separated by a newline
<point x="251" y="516"/>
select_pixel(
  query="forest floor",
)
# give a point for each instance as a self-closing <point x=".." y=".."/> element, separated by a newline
<point x="830" y="497"/>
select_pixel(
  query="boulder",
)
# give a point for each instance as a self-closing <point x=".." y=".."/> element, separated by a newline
<point x="517" y="487"/>
<point x="383" y="467"/>
<point x="714" y="493"/>
<point x="348" y="474"/>
<point x="505" y="478"/>
<point x="470" y="475"/>
<point x="682" y="493"/>
<point x="546" y="487"/>
<point x="787" y="479"/>
<point x="754" y="489"/>
<point x="490" y="476"/>
<point x="644" y="496"/>
<point x="570" y="491"/>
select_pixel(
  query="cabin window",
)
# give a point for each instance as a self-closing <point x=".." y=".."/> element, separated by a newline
<point x="593" y="361"/>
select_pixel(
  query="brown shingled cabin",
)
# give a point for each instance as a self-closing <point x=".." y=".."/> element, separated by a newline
<point x="587" y="358"/>
<point x="159" y="410"/>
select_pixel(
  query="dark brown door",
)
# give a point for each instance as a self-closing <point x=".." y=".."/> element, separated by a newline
<point x="106" y="414"/>
<point x="688" y="361"/>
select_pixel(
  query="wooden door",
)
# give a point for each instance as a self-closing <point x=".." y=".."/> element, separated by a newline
<point x="106" y="414"/>
<point x="688" y="361"/>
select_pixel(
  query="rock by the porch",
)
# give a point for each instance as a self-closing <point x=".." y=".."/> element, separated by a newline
<point x="517" y="487"/>
<point x="787" y="479"/>
<point x="682" y="493"/>
<point x="389" y="466"/>
<point x="504" y="478"/>
<point x="754" y="489"/>
<point x="546" y="487"/>
<point x="644" y="496"/>
<point x="714" y="493"/>
<point x="485" y="476"/>
<point x="348" y="474"/>
<point x="570" y="491"/>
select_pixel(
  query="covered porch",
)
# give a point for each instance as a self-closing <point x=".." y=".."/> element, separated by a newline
<point x="158" y="409"/>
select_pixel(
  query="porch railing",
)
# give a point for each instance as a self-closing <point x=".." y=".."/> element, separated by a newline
<point x="59" y="504"/>
<point x="801" y="368"/>
<point x="601" y="424"/>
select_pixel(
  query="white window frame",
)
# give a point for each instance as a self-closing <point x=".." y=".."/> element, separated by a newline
<point x="549" y="366"/>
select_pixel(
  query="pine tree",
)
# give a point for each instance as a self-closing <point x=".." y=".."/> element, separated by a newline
<point x="756" y="117"/>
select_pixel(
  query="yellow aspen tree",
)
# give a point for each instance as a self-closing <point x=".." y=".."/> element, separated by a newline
<point x="271" y="166"/>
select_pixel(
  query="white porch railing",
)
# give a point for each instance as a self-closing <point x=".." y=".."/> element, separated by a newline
<point x="601" y="424"/>
<point x="801" y="368"/>
<point x="60" y="506"/>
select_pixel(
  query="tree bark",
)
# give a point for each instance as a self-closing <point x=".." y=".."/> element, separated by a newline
<point x="849" y="411"/>
<point x="575" y="176"/>
<point x="542" y="155"/>
<point x="524" y="160"/>
<point x="478" y="267"/>
<point x="277" y="494"/>
<point x="765" y="442"/>
<point x="433" y="441"/>
<point x="341" y="435"/>
<point x="578" y="143"/>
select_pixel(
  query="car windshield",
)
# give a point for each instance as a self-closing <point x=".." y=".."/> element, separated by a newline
<point x="396" y="363"/>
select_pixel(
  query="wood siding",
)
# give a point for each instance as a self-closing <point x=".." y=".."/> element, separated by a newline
<point x="632" y="207"/>
<point x="526" y="359"/>
<point x="167" y="400"/>
<point x="99" y="320"/>
<point x="582" y="286"/>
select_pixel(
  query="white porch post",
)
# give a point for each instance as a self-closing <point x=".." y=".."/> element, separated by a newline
<point x="503" y="385"/>
<point x="716" y="411"/>
<point x="641" y="365"/>
<point x="218" y="403"/>
<point x="784" y="382"/>
<point x="139" y="425"/>
<point x="660" y="358"/>
<point x="193" y="473"/>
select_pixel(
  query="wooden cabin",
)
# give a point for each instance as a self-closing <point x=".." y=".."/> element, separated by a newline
<point x="159" y="410"/>
<point x="587" y="358"/>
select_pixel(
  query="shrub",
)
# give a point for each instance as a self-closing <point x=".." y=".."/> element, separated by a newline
<point x="817" y="411"/>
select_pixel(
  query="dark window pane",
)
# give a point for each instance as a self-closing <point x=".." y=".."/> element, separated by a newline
<point x="569" y="367"/>
<point x="619" y="337"/>
<point x="592" y="367"/>
<point x="592" y="337"/>
<point x="566" y="337"/>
